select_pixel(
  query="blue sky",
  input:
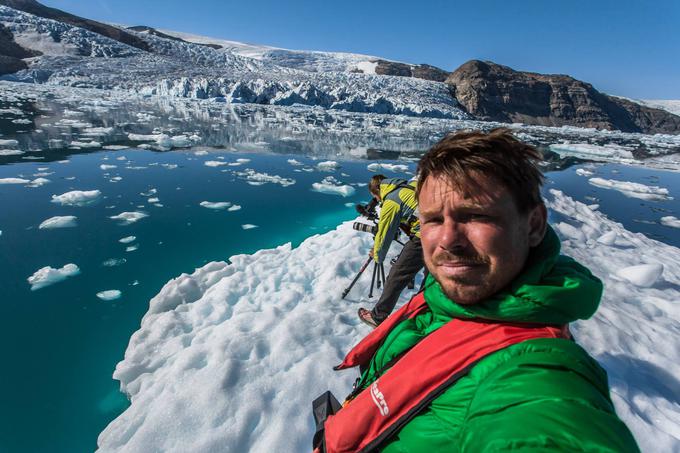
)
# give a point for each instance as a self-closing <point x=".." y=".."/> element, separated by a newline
<point x="627" y="48"/>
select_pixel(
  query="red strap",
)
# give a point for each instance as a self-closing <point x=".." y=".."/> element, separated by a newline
<point x="418" y="377"/>
<point x="364" y="350"/>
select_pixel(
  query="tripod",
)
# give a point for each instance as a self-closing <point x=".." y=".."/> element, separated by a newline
<point x="378" y="271"/>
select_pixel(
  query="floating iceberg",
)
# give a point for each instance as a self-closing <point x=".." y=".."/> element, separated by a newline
<point x="48" y="275"/>
<point x="66" y="221"/>
<point x="77" y="198"/>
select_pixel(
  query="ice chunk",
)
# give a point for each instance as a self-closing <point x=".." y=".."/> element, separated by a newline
<point x="235" y="207"/>
<point x="332" y="186"/>
<point x="48" y="275"/>
<point x="8" y="143"/>
<point x="39" y="182"/>
<point x="126" y="218"/>
<point x="255" y="178"/>
<point x="127" y="239"/>
<point x="10" y="152"/>
<point x="132" y="248"/>
<point x="329" y="165"/>
<point x="294" y="162"/>
<point x="217" y="205"/>
<point x="77" y="198"/>
<point x="214" y="163"/>
<point x="107" y="167"/>
<point x="112" y="262"/>
<point x="66" y="221"/>
<point x="248" y="226"/>
<point x="608" y="238"/>
<point x="14" y="181"/>
<point x="584" y="172"/>
<point x="670" y="221"/>
<point x="111" y="294"/>
<point x="633" y="189"/>
<point x="644" y="275"/>
<point x="385" y="166"/>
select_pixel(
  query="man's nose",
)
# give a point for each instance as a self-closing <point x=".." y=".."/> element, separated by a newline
<point x="453" y="235"/>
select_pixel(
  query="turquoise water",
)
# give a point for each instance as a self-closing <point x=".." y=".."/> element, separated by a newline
<point x="62" y="342"/>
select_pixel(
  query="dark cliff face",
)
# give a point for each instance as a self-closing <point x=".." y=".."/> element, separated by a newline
<point x="493" y="92"/>
<point x="422" y="71"/>
<point x="35" y="8"/>
<point x="11" y="53"/>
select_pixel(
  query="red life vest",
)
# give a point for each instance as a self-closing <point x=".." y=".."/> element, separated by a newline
<point x="419" y="376"/>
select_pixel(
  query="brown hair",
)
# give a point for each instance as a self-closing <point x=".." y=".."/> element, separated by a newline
<point x="461" y="156"/>
<point x="374" y="185"/>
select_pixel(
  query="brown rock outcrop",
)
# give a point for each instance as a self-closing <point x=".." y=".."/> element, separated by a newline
<point x="493" y="92"/>
<point x="421" y="71"/>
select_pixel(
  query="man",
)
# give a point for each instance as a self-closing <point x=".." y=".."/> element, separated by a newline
<point x="398" y="206"/>
<point x="482" y="359"/>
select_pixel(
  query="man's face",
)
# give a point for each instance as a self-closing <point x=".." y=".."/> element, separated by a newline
<point x="477" y="242"/>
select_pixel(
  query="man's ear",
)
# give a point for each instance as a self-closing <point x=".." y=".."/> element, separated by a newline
<point x="538" y="224"/>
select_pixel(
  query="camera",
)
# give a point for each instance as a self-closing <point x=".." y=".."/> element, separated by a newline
<point x="368" y="210"/>
<point x="366" y="228"/>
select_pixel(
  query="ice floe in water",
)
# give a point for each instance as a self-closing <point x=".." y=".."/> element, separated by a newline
<point x="14" y="181"/>
<point x="256" y="178"/>
<point x="132" y="248"/>
<point x="77" y="198"/>
<point x="126" y="218"/>
<point x="127" y="239"/>
<point x="66" y="221"/>
<point x="633" y="189"/>
<point x="38" y="182"/>
<point x="113" y="262"/>
<point x="48" y="275"/>
<point x="248" y="226"/>
<point x="111" y="294"/>
<point x="107" y="166"/>
<point x="215" y="163"/>
<point x="332" y="186"/>
<point x="391" y="167"/>
<point x="226" y="358"/>
<point x="235" y="207"/>
<point x="329" y="165"/>
<point x="217" y="205"/>
<point x="670" y="221"/>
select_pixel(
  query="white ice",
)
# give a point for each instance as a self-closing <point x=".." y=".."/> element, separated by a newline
<point x="332" y="186"/>
<point x="127" y="239"/>
<point x="66" y="221"/>
<point x="126" y="218"/>
<point x="227" y="359"/>
<point x="256" y="178"/>
<point x="77" y="198"/>
<point x="329" y="165"/>
<point x="248" y="226"/>
<point x="235" y="207"/>
<point x="48" y="275"/>
<point x="111" y="294"/>
<point x="214" y="163"/>
<point x="633" y="189"/>
<point x="14" y="181"/>
<point x="670" y="221"/>
<point x="217" y="205"/>
<point x="385" y="166"/>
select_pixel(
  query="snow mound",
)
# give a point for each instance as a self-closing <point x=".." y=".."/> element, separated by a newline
<point x="635" y="334"/>
<point x="49" y="276"/>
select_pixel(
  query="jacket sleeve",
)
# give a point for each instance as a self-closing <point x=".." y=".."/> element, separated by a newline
<point x="387" y="229"/>
<point x="531" y="407"/>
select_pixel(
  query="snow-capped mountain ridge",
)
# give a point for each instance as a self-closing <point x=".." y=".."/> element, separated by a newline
<point x="176" y="68"/>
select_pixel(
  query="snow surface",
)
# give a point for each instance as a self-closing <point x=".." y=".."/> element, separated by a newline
<point x="227" y="359"/>
<point x="66" y="221"/>
<point x="49" y="276"/>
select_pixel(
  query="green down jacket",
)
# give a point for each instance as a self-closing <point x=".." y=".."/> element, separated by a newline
<point x="539" y="395"/>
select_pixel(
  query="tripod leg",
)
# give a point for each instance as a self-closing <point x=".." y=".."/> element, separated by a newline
<point x="361" y="271"/>
<point x="382" y="273"/>
<point x="375" y="268"/>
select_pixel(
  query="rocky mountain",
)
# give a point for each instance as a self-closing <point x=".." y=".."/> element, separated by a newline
<point x="11" y="53"/>
<point x="40" y="10"/>
<point x="421" y="71"/>
<point x="492" y="92"/>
